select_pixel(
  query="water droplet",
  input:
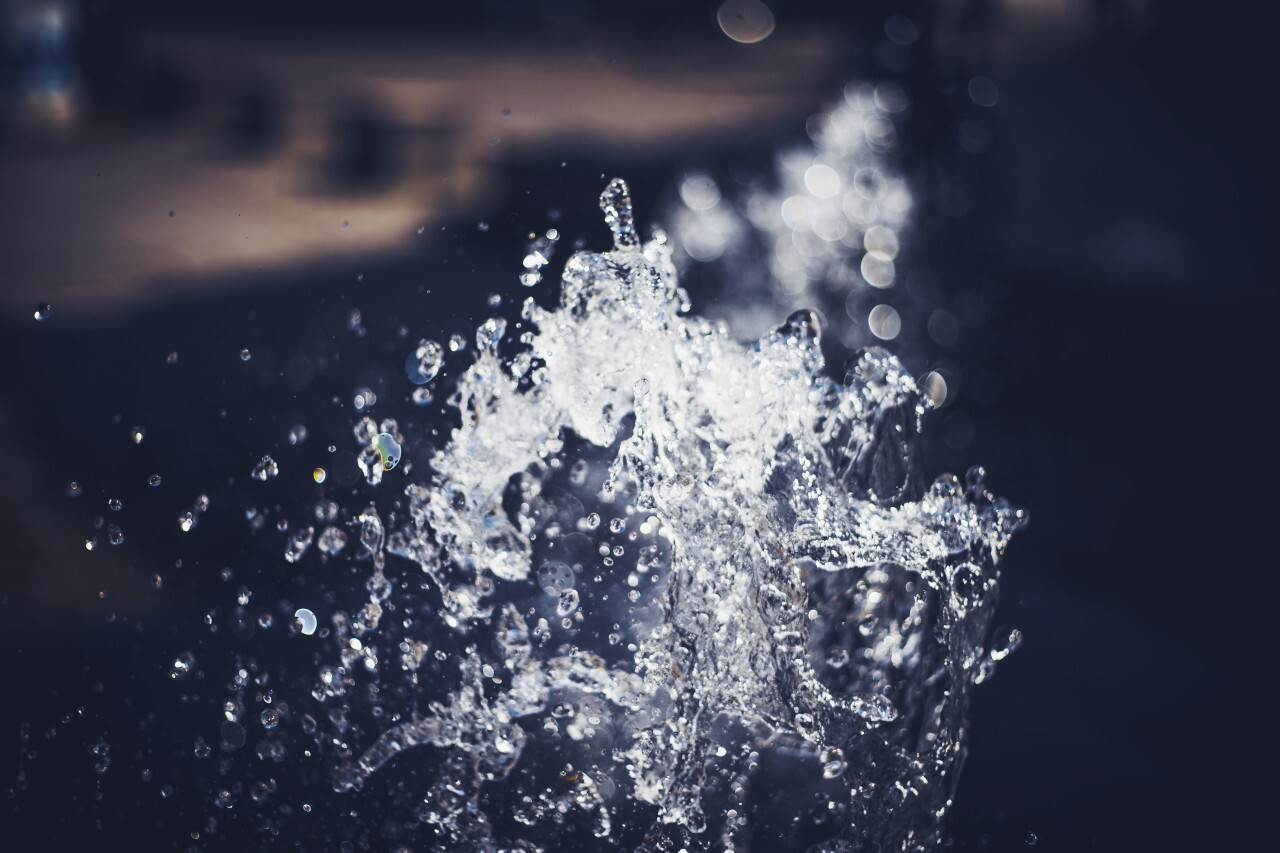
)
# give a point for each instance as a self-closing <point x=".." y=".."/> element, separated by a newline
<point x="270" y="718"/>
<point x="183" y="665"/>
<point x="318" y="475"/>
<point x="641" y="387"/>
<point x="245" y="355"/>
<point x="154" y="480"/>
<point x="1031" y="839"/>
<point x="265" y="469"/>
<point x="305" y="620"/>
<point x="115" y="535"/>
<point x="568" y="602"/>
<point x="490" y="333"/>
<point x="422" y="397"/>
<point x="424" y="363"/>
<point x="554" y="577"/>
<point x="74" y="489"/>
<point x="457" y="343"/>
<point x="43" y="311"/>
<point x="137" y="434"/>
<point x="115" y="504"/>
<point x="171" y="358"/>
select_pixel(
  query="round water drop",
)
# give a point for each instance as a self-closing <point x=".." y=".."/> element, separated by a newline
<point x="270" y="718"/>
<point x="154" y="479"/>
<point x="265" y="469"/>
<point x="318" y="475"/>
<point x="423" y="364"/>
<point x="137" y="434"/>
<point x="745" y="21"/>
<point x="641" y="387"/>
<point x="115" y="535"/>
<point x="568" y="602"/>
<point x="115" y="504"/>
<point x="388" y="450"/>
<point x="306" y="621"/>
<point x="245" y="355"/>
<point x="554" y="577"/>
<point x="43" y="311"/>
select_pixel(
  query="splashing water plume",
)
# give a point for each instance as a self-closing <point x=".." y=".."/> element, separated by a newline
<point x="670" y="579"/>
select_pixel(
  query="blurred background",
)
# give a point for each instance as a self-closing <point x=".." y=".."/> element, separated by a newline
<point x="1075" y="247"/>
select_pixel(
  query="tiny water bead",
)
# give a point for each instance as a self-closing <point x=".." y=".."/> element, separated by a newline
<point x="137" y="434"/>
<point x="115" y="535"/>
<point x="245" y="355"/>
<point x="154" y="480"/>
<point x="43" y="311"/>
<point x="319" y="475"/>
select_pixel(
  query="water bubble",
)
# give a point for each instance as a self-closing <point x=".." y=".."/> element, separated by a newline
<point x="554" y="577"/>
<point x="305" y="620"/>
<point x="331" y="541"/>
<point x="388" y="450"/>
<point x="617" y="525"/>
<point x="115" y="504"/>
<point x="318" y="474"/>
<point x="137" y="434"/>
<point x="265" y="469"/>
<point x="297" y="434"/>
<point x="245" y="355"/>
<point x="1031" y="839"/>
<point x="43" y="311"/>
<point x="641" y="387"/>
<point x="115" y="535"/>
<point x="153" y="480"/>
<point x="422" y="397"/>
<point x="73" y="489"/>
<point x="91" y="543"/>
<point x="457" y="343"/>
<point x="270" y="718"/>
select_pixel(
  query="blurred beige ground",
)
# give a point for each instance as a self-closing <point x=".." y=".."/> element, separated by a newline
<point x="86" y="219"/>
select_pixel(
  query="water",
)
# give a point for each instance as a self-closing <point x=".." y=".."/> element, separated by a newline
<point x="779" y="611"/>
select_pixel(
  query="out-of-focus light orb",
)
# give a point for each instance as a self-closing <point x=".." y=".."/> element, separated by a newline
<point x="983" y="92"/>
<point x="878" y="271"/>
<point x="306" y="620"/>
<point x="884" y="322"/>
<point x="745" y="21"/>
<point x="901" y="30"/>
<point x="934" y="387"/>
<point x="881" y="241"/>
<point x="821" y="180"/>
<point x="699" y="191"/>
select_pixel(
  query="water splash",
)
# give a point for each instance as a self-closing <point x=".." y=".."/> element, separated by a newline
<point x="778" y="611"/>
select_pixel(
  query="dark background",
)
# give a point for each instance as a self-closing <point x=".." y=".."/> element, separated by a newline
<point x="1114" y="380"/>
